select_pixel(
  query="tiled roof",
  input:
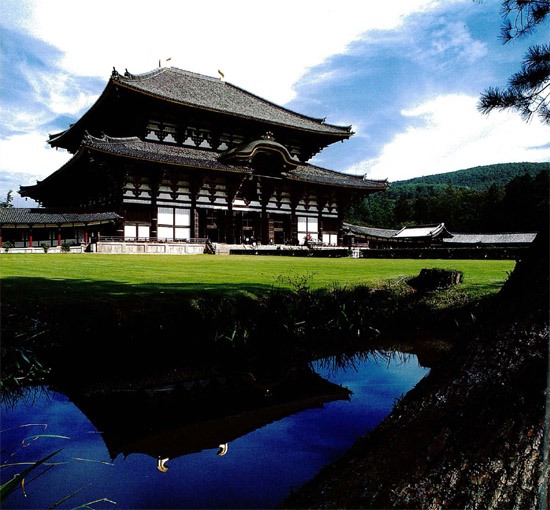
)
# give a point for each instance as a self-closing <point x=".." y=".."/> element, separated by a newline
<point x="133" y="147"/>
<point x="498" y="238"/>
<point x="214" y="94"/>
<point x="189" y="156"/>
<point x="433" y="230"/>
<point x="370" y="231"/>
<point x="420" y="231"/>
<point x="310" y="173"/>
<point x="161" y="153"/>
<point x="33" y="216"/>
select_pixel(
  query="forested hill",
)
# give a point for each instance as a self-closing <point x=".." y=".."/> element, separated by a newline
<point x="511" y="197"/>
<point x="479" y="178"/>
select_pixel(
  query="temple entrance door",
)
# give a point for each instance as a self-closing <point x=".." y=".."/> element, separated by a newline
<point x="245" y="227"/>
<point x="281" y="228"/>
<point x="212" y="225"/>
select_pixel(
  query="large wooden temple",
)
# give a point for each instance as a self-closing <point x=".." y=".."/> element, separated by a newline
<point x="179" y="156"/>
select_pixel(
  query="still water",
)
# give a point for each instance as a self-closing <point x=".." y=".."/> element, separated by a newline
<point x="207" y="443"/>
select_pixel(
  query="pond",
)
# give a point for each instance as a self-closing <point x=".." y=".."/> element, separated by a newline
<point x="218" y="441"/>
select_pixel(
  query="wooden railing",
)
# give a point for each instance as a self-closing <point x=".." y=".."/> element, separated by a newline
<point x="123" y="239"/>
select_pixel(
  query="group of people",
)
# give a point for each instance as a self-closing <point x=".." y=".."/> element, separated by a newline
<point x="250" y="240"/>
<point x="308" y="241"/>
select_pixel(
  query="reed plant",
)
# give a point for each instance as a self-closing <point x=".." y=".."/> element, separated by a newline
<point x="33" y="469"/>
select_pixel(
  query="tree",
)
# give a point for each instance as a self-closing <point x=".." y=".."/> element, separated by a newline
<point x="402" y="211"/>
<point x="528" y="90"/>
<point x="491" y="210"/>
<point x="8" y="201"/>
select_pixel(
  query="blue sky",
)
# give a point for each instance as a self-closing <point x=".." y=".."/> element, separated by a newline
<point x="407" y="75"/>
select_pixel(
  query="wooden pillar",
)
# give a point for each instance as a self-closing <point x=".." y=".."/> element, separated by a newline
<point x="195" y="226"/>
<point x="154" y="184"/>
<point x="229" y="225"/>
<point x="295" y="197"/>
<point x="192" y="221"/>
<point x="343" y="203"/>
<point x="221" y="217"/>
<point x="30" y="236"/>
<point x="264" y="225"/>
<point x="59" y="235"/>
<point x="231" y="189"/>
<point x="238" y="226"/>
<point x="271" y="229"/>
<point x="201" y="221"/>
<point x="321" y="202"/>
<point x="267" y="190"/>
<point x="195" y="185"/>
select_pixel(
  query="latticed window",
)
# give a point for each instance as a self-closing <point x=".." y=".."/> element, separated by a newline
<point x="330" y="239"/>
<point x="308" y="229"/>
<point x="211" y="219"/>
<point x="248" y="223"/>
<point x="133" y="232"/>
<point x="173" y="223"/>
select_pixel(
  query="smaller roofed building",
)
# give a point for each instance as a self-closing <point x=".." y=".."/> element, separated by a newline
<point x="507" y="239"/>
<point x="418" y="236"/>
<point x="180" y="156"/>
<point x="31" y="227"/>
<point x="432" y="236"/>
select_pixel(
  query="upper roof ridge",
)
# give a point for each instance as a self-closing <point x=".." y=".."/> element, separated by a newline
<point x="159" y="70"/>
<point x="284" y="108"/>
<point x="128" y="77"/>
<point x="116" y="76"/>
<point x="203" y="93"/>
<point x="196" y="75"/>
<point x="88" y="138"/>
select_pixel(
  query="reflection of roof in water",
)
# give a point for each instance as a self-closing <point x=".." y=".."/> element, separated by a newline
<point x="201" y="414"/>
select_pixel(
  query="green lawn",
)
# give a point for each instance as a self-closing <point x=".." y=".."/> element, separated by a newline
<point x="88" y="276"/>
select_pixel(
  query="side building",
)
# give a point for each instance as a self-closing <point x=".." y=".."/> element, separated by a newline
<point x="180" y="156"/>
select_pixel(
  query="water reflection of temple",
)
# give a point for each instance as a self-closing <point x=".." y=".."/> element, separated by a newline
<point x="198" y="414"/>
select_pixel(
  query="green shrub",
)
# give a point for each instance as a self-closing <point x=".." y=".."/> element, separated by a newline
<point x="7" y="245"/>
<point x="45" y="247"/>
<point x="65" y="247"/>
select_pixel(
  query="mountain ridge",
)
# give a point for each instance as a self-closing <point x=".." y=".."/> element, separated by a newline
<point x="478" y="178"/>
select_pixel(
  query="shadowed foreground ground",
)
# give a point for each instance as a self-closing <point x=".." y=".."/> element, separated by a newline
<point x="471" y="434"/>
<point x="466" y="438"/>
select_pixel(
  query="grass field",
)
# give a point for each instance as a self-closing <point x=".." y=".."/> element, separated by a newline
<point x="89" y="276"/>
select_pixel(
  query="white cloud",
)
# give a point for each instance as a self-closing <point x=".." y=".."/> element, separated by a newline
<point x="57" y="90"/>
<point x="24" y="119"/>
<point x="453" y="135"/>
<point x="454" y="37"/>
<point x="261" y="47"/>
<point x="30" y="154"/>
<point x="264" y="48"/>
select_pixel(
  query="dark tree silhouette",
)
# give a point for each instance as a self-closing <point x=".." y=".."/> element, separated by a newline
<point x="528" y="90"/>
<point x="8" y="201"/>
